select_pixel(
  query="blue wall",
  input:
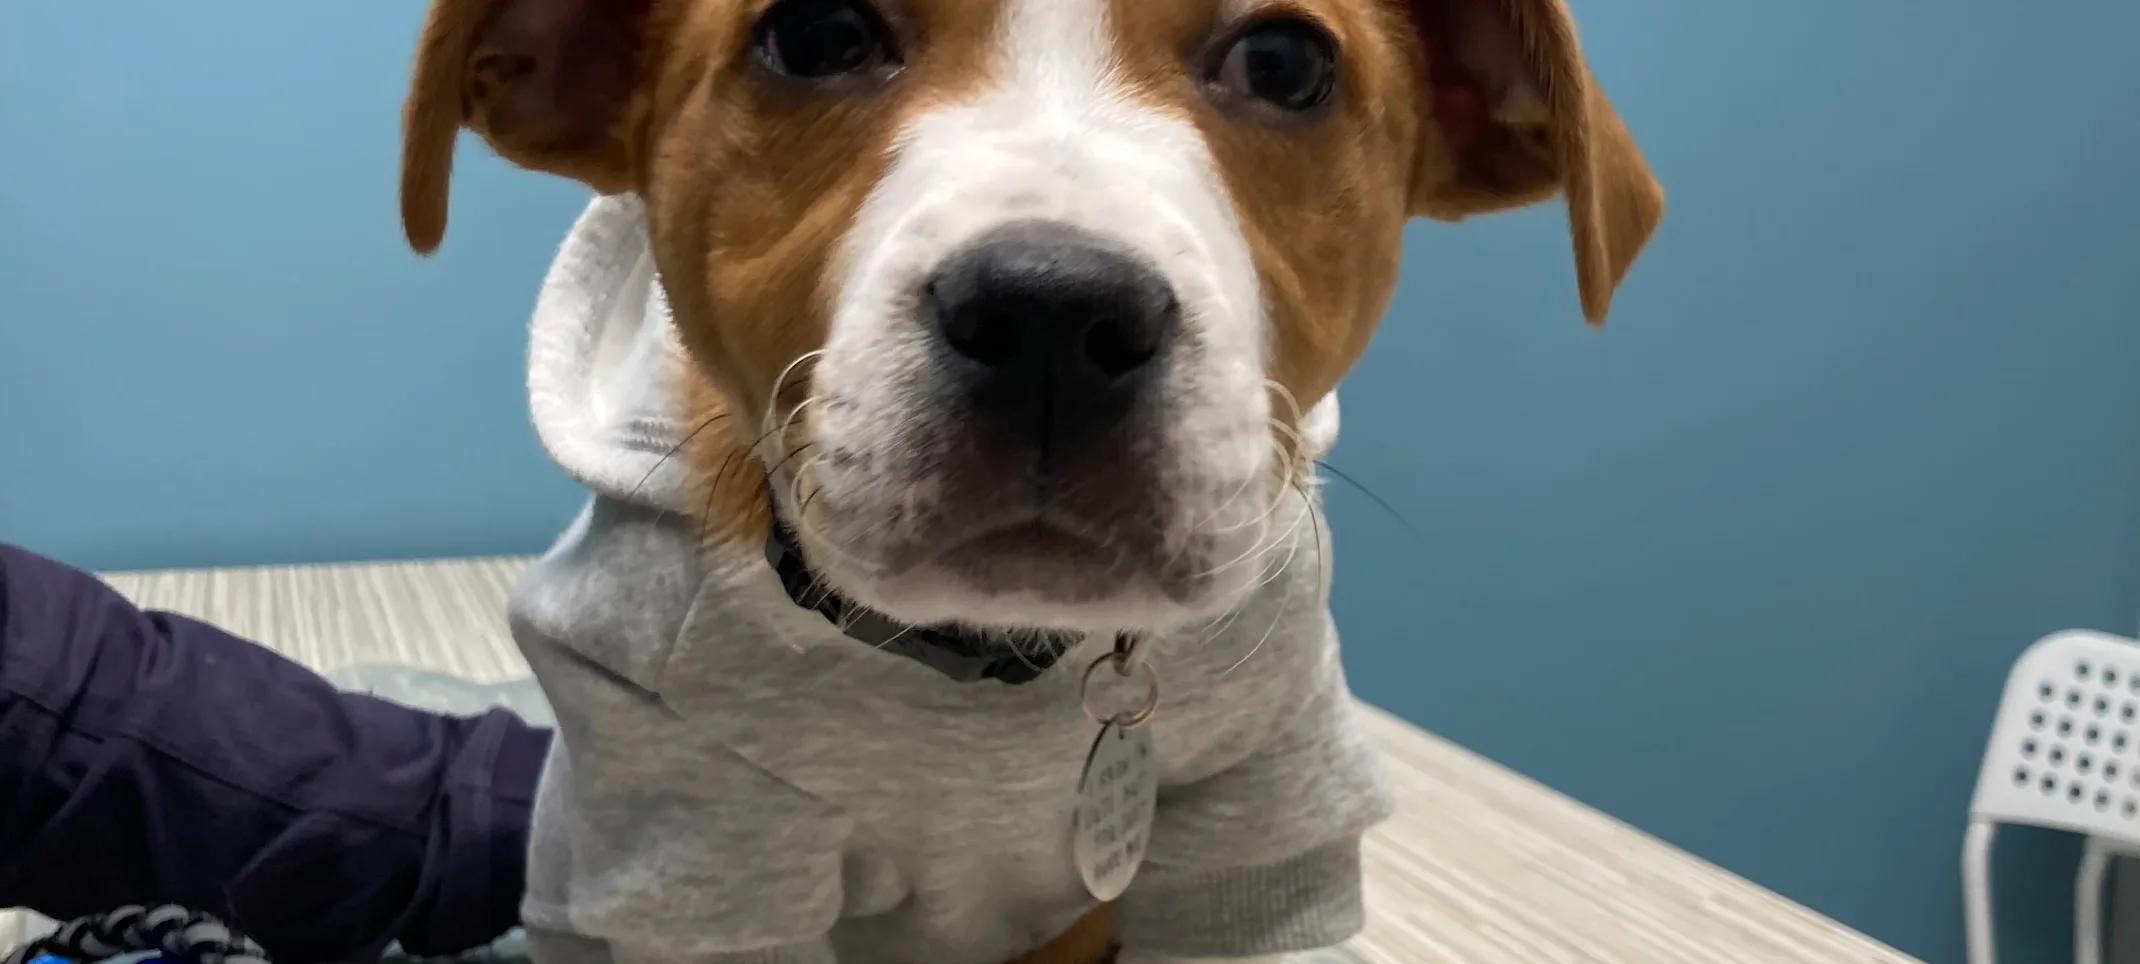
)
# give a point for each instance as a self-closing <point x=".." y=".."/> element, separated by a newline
<point x="214" y="346"/>
<point x="1745" y="569"/>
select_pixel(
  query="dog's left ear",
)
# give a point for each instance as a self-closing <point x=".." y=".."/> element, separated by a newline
<point x="1514" y="118"/>
<point x="551" y="85"/>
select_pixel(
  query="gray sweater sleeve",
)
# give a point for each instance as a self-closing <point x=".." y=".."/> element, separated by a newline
<point x="1264" y="857"/>
<point x="652" y="843"/>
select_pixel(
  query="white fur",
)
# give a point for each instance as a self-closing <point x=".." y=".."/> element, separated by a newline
<point x="1319" y="429"/>
<point x="1052" y="134"/>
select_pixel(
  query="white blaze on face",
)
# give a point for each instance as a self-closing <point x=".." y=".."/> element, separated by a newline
<point x="1053" y="134"/>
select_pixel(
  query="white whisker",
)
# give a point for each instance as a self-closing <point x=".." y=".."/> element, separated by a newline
<point x="806" y="529"/>
<point x="1262" y="545"/>
<point x="1288" y="467"/>
<point x="772" y="398"/>
<point x="1266" y="577"/>
<point x="1284" y="602"/>
<point x="787" y="428"/>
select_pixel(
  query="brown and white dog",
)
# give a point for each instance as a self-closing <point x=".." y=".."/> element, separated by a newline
<point x="1063" y="278"/>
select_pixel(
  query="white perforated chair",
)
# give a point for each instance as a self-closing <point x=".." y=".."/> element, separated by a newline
<point x="2064" y="754"/>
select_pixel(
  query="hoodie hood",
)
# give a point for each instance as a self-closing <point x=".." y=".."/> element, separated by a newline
<point x="602" y="360"/>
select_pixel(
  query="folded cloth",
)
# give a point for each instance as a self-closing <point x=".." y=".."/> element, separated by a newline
<point x="153" y="759"/>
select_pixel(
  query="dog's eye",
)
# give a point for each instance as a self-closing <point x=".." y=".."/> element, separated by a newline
<point x="822" y="38"/>
<point x="1290" y="64"/>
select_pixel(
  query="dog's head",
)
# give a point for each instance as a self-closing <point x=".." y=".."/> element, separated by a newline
<point x="1022" y="305"/>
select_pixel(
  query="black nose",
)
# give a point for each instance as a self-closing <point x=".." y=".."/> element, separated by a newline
<point x="1051" y="329"/>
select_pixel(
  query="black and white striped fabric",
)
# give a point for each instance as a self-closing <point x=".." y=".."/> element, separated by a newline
<point x="174" y="932"/>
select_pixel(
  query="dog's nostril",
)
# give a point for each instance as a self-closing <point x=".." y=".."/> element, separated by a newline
<point x="991" y="339"/>
<point x="979" y="334"/>
<point x="1117" y="347"/>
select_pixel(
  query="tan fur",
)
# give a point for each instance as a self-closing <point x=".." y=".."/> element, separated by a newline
<point x="553" y="85"/>
<point x="759" y="183"/>
<point x="1314" y="199"/>
<point x="1089" y="941"/>
<point x="1490" y="156"/>
<point x="1448" y="108"/>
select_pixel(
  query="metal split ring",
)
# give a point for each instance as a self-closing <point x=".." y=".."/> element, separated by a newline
<point x="1123" y="665"/>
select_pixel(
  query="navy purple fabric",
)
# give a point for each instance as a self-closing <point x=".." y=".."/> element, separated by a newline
<point x="149" y="758"/>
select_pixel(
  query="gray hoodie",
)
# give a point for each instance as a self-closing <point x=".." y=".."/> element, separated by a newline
<point x="739" y="782"/>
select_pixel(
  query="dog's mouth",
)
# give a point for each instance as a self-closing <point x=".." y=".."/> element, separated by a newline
<point x="1038" y="547"/>
<point x="1033" y="537"/>
<point x="1039" y="557"/>
<point x="1035" y="566"/>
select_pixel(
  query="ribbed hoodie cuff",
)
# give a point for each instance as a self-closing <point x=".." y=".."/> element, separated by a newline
<point x="1306" y="903"/>
<point x="557" y="947"/>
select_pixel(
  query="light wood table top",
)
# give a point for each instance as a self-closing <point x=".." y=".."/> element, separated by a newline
<point x="1479" y="866"/>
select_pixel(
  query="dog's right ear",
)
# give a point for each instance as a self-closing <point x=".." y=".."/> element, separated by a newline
<point x="552" y="85"/>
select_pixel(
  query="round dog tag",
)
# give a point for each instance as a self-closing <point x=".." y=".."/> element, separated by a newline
<point x="1116" y="796"/>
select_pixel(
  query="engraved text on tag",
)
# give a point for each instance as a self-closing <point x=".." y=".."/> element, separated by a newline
<point x="1116" y="797"/>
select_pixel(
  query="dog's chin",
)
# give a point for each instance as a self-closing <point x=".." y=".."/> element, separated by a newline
<point x="1032" y="576"/>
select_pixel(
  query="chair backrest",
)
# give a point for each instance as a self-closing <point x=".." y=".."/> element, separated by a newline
<point x="2065" y="747"/>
